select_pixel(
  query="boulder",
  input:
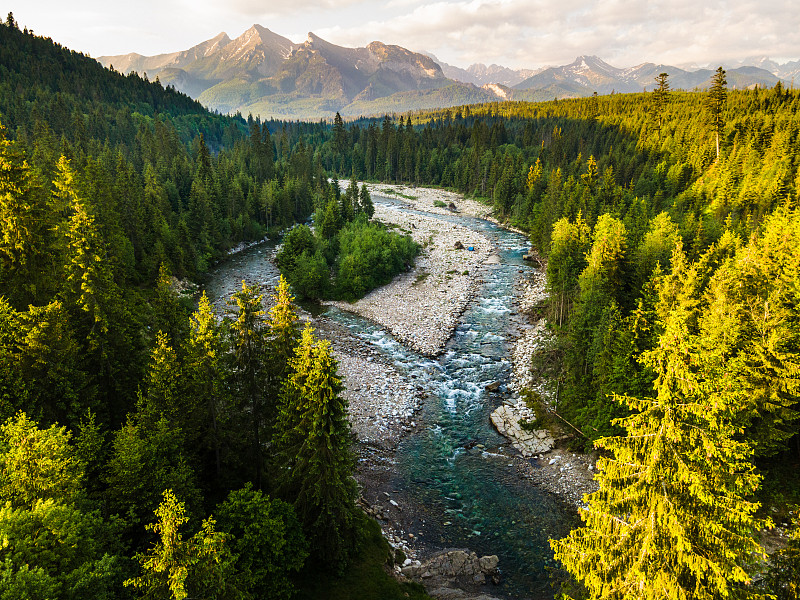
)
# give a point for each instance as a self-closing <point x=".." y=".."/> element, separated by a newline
<point x="506" y="420"/>
<point x="459" y="245"/>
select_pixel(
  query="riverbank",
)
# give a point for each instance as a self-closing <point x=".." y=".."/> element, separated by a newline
<point x="421" y="308"/>
<point x="566" y="474"/>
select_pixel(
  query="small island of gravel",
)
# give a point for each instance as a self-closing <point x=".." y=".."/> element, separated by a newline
<point x="421" y="308"/>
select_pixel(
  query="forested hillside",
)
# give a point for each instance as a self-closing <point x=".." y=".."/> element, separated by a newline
<point x="606" y="187"/>
<point x="671" y="230"/>
<point x="609" y="188"/>
<point x="150" y="446"/>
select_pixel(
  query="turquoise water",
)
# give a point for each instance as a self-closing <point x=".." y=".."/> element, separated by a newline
<point x="457" y="468"/>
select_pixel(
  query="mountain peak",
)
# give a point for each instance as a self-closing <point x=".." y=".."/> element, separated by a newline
<point x="313" y="39"/>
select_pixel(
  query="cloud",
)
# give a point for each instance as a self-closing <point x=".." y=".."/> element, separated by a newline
<point x="529" y="33"/>
<point x="515" y="33"/>
<point x="277" y="8"/>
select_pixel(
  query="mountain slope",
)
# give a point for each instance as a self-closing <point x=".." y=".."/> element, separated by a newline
<point x="262" y="71"/>
<point x="480" y="75"/>
<point x="43" y="84"/>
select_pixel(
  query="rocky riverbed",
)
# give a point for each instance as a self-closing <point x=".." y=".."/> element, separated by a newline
<point x="421" y="308"/>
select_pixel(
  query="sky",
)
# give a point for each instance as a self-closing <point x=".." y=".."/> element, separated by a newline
<point x="513" y="33"/>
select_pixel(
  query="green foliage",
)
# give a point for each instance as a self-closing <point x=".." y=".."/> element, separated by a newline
<point x="108" y="183"/>
<point x="370" y="256"/>
<point x="250" y="331"/>
<point x="717" y="96"/>
<point x="568" y="246"/>
<point x="37" y="464"/>
<point x="49" y="544"/>
<point x="313" y="450"/>
<point x="201" y="566"/>
<point x="143" y="462"/>
<point x="298" y="241"/>
<point x="267" y="539"/>
<point x="366" y="577"/>
<point x="208" y="381"/>
<point x="366" y="256"/>
<point x="751" y="331"/>
<point x="672" y="517"/>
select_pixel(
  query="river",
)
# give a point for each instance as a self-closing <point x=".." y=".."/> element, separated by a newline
<point x="456" y="470"/>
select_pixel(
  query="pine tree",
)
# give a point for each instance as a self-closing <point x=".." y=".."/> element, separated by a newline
<point x="339" y="134"/>
<point x="163" y="397"/>
<point x="661" y="99"/>
<point x="250" y="332"/>
<point x="313" y="445"/>
<point x="751" y="331"/>
<point x="24" y="225"/>
<point x="715" y="103"/>
<point x="208" y="376"/>
<point x="566" y="260"/>
<point x="89" y="281"/>
<point x="366" y="201"/>
<point x="283" y="329"/>
<point x="671" y="518"/>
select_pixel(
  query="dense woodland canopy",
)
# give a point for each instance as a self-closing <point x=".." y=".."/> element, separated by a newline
<point x="148" y="445"/>
<point x="129" y="417"/>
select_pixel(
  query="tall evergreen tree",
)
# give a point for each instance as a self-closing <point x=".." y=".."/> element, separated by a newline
<point x="209" y="380"/>
<point x="250" y="333"/>
<point x="715" y="103"/>
<point x="672" y="517"/>
<point x="313" y="443"/>
<point x="366" y="201"/>
<point x="22" y="227"/>
<point x="661" y="99"/>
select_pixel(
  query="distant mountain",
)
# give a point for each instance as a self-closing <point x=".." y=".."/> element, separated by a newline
<point x="589" y="74"/>
<point x="264" y="73"/>
<point x="480" y="75"/>
<point x="788" y="72"/>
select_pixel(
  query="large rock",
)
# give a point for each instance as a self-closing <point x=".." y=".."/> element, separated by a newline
<point x="452" y="564"/>
<point x="506" y="420"/>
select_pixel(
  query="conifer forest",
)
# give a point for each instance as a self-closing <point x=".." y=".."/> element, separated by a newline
<point x="158" y="446"/>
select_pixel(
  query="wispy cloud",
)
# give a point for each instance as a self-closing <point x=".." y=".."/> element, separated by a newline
<point x="536" y="32"/>
<point x="516" y="33"/>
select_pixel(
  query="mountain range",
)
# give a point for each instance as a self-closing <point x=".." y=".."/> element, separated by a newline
<point x="263" y="73"/>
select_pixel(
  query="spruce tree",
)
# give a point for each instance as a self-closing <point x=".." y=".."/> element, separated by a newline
<point x="284" y="335"/>
<point x="283" y="329"/>
<point x="313" y="445"/>
<point x="715" y="103"/>
<point x="89" y="284"/>
<point x="660" y="98"/>
<point x="366" y="201"/>
<point x="209" y="379"/>
<point x="249" y="336"/>
<point x="672" y="517"/>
